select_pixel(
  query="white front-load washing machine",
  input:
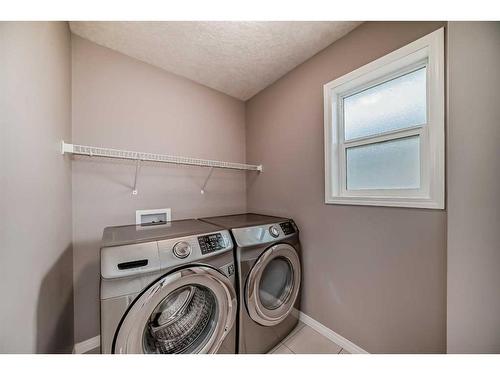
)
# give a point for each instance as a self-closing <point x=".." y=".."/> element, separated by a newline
<point x="168" y="289"/>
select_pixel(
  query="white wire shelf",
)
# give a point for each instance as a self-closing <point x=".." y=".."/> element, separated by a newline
<point x="157" y="158"/>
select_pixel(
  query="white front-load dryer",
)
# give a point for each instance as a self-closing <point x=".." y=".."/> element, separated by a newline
<point x="268" y="268"/>
<point x="168" y="289"/>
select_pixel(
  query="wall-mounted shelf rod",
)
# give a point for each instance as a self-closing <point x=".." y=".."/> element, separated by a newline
<point x="158" y="158"/>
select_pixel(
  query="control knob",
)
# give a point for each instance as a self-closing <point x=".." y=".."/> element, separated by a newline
<point x="273" y="230"/>
<point x="182" y="249"/>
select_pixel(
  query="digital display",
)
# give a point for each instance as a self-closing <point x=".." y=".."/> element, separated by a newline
<point x="211" y="243"/>
<point x="287" y="228"/>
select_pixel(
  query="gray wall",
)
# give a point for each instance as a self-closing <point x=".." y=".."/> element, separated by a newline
<point x="123" y="103"/>
<point x="375" y="275"/>
<point x="35" y="200"/>
<point x="474" y="188"/>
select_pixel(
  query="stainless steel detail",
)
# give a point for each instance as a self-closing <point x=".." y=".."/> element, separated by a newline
<point x="274" y="231"/>
<point x="270" y="316"/>
<point x="199" y="295"/>
<point x="182" y="249"/>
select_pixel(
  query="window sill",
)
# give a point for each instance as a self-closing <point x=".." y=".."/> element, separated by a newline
<point x="386" y="202"/>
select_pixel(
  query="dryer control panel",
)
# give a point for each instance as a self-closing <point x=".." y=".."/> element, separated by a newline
<point x="287" y="227"/>
<point x="262" y="234"/>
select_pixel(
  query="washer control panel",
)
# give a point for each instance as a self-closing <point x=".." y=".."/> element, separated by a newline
<point x="141" y="258"/>
<point x="210" y="243"/>
<point x="193" y="248"/>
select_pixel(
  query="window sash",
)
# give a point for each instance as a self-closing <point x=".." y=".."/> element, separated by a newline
<point x="339" y="99"/>
<point x="415" y="130"/>
<point x="426" y="52"/>
<point x="420" y="131"/>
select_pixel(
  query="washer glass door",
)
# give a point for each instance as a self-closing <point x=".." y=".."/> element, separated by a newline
<point x="189" y="311"/>
<point x="183" y="320"/>
<point x="273" y="285"/>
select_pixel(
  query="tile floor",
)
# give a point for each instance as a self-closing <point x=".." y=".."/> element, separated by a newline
<point x="305" y="340"/>
<point x="302" y="340"/>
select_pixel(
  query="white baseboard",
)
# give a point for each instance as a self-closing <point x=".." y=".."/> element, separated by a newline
<point x="87" y="345"/>
<point x="331" y="335"/>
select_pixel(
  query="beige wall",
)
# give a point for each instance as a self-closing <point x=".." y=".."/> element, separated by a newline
<point x="123" y="103"/>
<point x="36" y="312"/>
<point x="474" y="188"/>
<point x="375" y="275"/>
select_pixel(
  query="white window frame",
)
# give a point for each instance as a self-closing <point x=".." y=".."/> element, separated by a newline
<point x="427" y="51"/>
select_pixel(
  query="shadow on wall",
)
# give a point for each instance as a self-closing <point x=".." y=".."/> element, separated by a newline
<point x="87" y="274"/>
<point x="55" y="320"/>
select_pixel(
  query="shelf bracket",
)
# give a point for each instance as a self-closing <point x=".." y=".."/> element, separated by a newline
<point x="137" y="169"/>
<point x="206" y="180"/>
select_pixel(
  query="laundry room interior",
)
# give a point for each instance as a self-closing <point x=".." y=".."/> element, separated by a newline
<point x="260" y="187"/>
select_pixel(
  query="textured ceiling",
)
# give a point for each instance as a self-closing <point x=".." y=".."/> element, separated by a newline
<point x="237" y="58"/>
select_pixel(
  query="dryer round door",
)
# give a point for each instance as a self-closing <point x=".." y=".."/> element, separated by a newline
<point x="273" y="285"/>
<point x="188" y="311"/>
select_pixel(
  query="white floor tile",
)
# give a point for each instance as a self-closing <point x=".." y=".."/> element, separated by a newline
<point x="281" y="349"/>
<point x="297" y="328"/>
<point x="308" y="341"/>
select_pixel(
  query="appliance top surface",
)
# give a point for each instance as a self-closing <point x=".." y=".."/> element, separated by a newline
<point x="243" y="220"/>
<point x="129" y="234"/>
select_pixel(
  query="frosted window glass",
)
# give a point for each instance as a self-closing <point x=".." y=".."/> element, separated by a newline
<point x="385" y="165"/>
<point x="392" y="105"/>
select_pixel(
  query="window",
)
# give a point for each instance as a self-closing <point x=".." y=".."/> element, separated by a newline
<point x="384" y="130"/>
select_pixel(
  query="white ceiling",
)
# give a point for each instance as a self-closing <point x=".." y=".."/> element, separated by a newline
<point x="237" y="58"/>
